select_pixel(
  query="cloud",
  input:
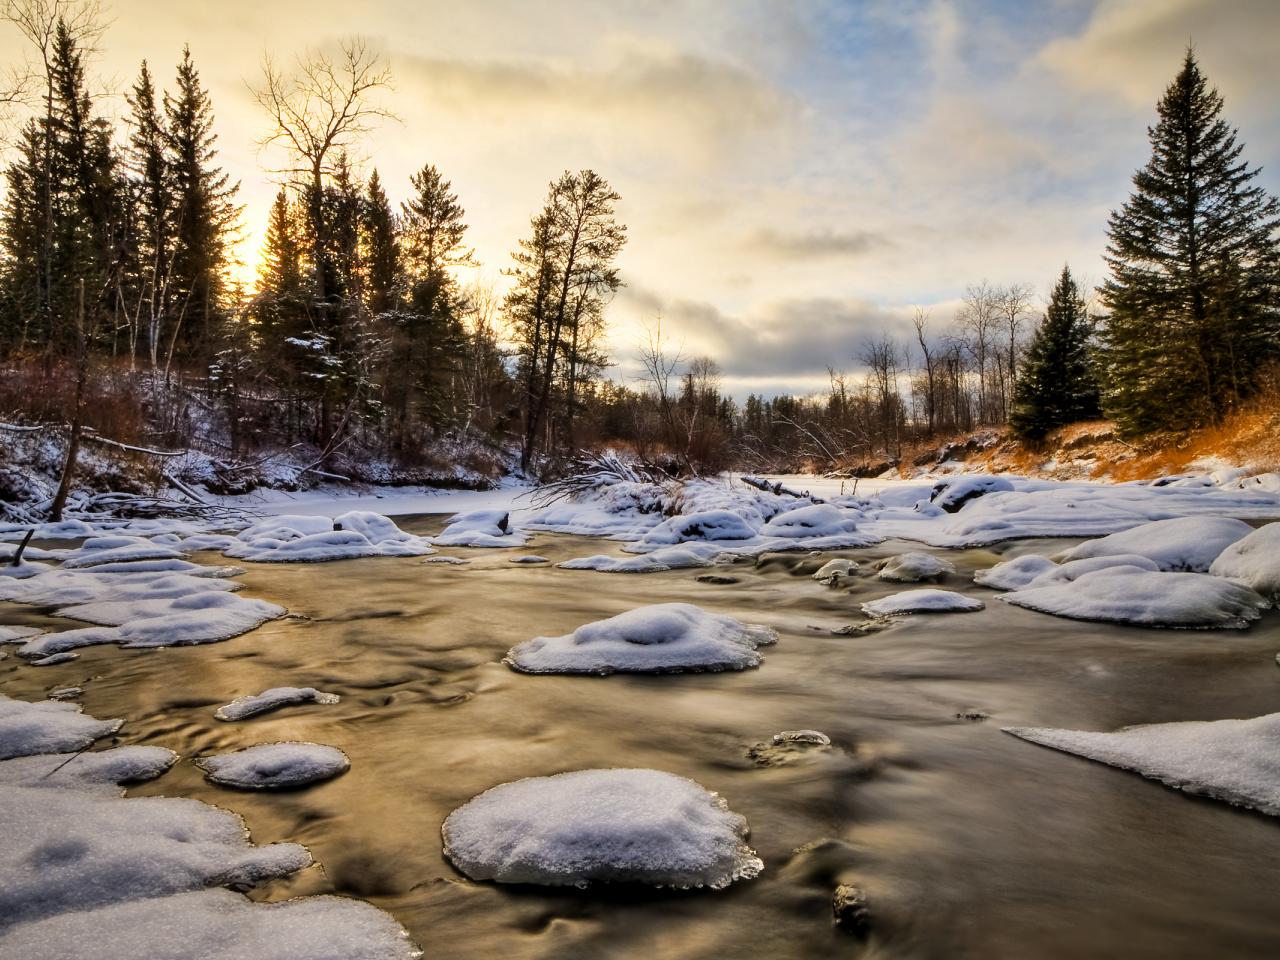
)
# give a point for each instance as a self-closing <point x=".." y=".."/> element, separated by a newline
<point x="808" y="244"/>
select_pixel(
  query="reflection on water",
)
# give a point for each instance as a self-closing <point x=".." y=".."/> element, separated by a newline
<point x="967" y="842"/>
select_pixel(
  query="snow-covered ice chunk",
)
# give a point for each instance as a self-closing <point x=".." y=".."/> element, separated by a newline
<point x="458" y="561"/>
<point x="1231" y="760"/>
<point x="47" y="726"/>
<point x="23" y="570"/>
<point x="107" y="769"/>
<point x="1180" y="543"/>
<point x="306" y="539"/>
<point x="834" y="570"/>
<point x="913" y="568"/>
<point x="242" y="708"/>
<point x="63" y="588"/>
<point x="1253" y="560"/>
<point x="633" y="826"/>
<point x="530" y="558"/>
<point x="1129" y="594"/>
<point x="662" y="638"/>
<point x="952" y="494"/>
<point x="53" y="659"/>
<point x="921" y="601"/>
<point x="275" y="766"/>
<point x="1016" y="573"/>
<point x="117" y="549"/>
<point x="18" y="634"/>
<point x="215" y="925"/>
<point x="818" y="520"/>
<point x="480" y="528"/>
<point x="666" y="558"/>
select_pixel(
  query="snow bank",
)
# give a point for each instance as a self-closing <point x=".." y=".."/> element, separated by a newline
<point x="1253" y="560"/>
<point x="1132" y="595"/>
<point x="951" y="495"/>
<point x="708" y="525"/>
<point x="1180" y="543"/>
<point x="275" y="766"/>
<point x="1014" y="574"/>
<point x="242" y="708"/>
<point x="293" y="538"/>
<point x="665" y="558"/>
<point x="481" y="528"/>
<point x="921" y="601"/>
<point x="634" y="826"/>
<point x="47" y="726"/>
<point x="913" y="568"/>
<point x="834" y="570"/>
<point x="818" y="520"/>
<point x="117" y="549"/>
<point x="662" y="638"/>
<point x="1231" y="760"/>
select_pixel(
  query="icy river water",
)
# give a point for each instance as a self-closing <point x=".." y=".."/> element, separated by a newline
<point x="966" y="841"/>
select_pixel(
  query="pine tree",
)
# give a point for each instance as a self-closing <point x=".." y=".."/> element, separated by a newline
<point x="204" y="210"/>
<point x="381" y="256"/>
<point x="282" y="286"/>
<point x="1194" y="292"/>
<point x="1056" y="385"/>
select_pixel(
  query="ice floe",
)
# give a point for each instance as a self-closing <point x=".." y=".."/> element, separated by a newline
<point x="665" y="558"/>
<point x="307" y="539"/>
<point x="662" y="638"/>
<point x="47" y="726"/>
<point x="1132" y="595"/>
<point x="1016" y="573"/>
<point x="913" y="568"/>
<point x="275" y="766"/>
<point x="1253" y="560"/>
<point x="242" y="708"/>
<point x="104" y="770"/>
<point x="117" y="549"/>
<point x="1179" y="543"/>
<point x="633" y="826"/>
<point x="1231" y="760"/>
<point x="921" y="601"/>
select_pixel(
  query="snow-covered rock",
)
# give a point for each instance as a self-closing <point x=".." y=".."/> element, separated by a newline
<point x="530" y="558"/>
<point x="275" y="766"/>
<point x="952" y="494"/>
<point x="1016" y="573"/>
<point x="818" y="520"/>
<point x="914" y="568"/>
<point x="666" y="558"/>
<point x="1130" y="594"/>
<point x="1231" y="760"/>
<point x="1253" y="560"/>
<point x="307" y="539"/>
<point x="708" y="525"/>
<point x="1180" y="543"/>
<point x="47" y="726"/>
<point x="481" y="528"/>
<point x="833" y="571"/>
<point x="242" y="708"/>
<point x="636" y="826"/>
<point x="662" y="638"/>
<point x="921" y="601"/>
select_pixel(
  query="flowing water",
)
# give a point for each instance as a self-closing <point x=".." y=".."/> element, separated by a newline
<point x="966" y="841"/>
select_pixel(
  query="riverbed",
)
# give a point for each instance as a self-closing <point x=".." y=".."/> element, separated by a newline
<point x="966" y="841"/>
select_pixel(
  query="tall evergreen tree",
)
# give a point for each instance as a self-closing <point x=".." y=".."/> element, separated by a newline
<point x="1194" y="292"/>
<point x="205" y="211"/>
<point x="381" y="255"/>
<point x="1056" y="385"/>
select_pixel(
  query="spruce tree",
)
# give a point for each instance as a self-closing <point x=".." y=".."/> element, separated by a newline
<point x="1194" y="292"/>
<point x="204" y="210"/>
<point x="1056" y="385"/>
<point x="381" y="256"/>
<point x="146" y="156"/>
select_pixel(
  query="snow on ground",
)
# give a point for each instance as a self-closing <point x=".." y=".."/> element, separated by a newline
<point x="511" y="495"/>
<point x="275" y="766"/>
<point x="481" y="528"/>
<point x="1253" y="560"/>
<point x="634" y="826"/>
<point x="48" y="726"/>
<point x="661" y="638"/>
<point x="1231" y="760"/>
<point x="117" y="549"/>
<point x="921" y="601"/>
<point x="913" y="568"/>
<point x="1132" y="595"/>
<point x="1180" y="543"/>
<point x="242" y="708"/>
<point x="86" y="873"/>
<point x="295" y="538"/>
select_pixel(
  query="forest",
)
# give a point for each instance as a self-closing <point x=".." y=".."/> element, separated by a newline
<point x="363" y="349"/>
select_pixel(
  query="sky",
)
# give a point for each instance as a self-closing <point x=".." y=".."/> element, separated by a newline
<point x="796" y="175"/>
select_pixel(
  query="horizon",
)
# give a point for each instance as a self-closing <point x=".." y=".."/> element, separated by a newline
<point x="834" y="166"/>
